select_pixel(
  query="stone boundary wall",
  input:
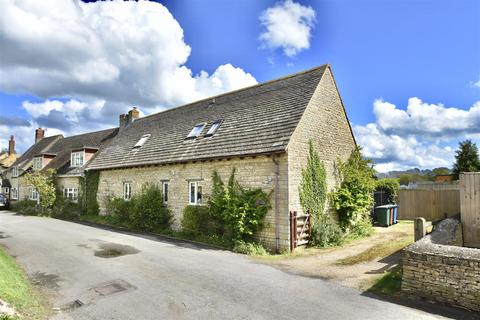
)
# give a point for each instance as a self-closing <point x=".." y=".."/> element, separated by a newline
<point x="438" y="269"/>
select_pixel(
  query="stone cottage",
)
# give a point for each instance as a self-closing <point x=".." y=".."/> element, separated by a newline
<point x="263" y="131"/>
<point x="7" y="158"/>
<point x="67" y="156"/>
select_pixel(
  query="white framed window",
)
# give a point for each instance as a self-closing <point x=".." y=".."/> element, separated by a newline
<point x="127" y="191"/>
<point x="37" y="163"/>
<point x="33" y="194"/>
<point x="77" y="158"/>
<point x="214" y="127"/>
<point x="15" y="172"/>
<point x="194" y="193"/>
<point x="196" y="130"/>
<point x="14" y="193"/>
<point x="71" y="194"/>
<point x="165" y="186"/>
<point x="142" y="141"/>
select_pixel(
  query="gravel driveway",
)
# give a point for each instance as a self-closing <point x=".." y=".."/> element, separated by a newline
<point x="92" y="273"/>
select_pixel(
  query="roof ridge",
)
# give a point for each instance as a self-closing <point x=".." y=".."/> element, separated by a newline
<point x="91" y="132"/>
<point x="325" y="65"/>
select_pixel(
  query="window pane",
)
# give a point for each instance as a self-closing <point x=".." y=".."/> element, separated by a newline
<point x="165" y="191"/>
<point x="192" y="192"/>
<point x="199" y="194"/>
<point x="196" y="130"/>
<point x="214" y="127"/>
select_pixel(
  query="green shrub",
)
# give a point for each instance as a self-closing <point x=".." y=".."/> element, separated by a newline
<point x="363" y="228"/>
<point x="120" y="210"/>
<point x="88" y="192"/>
<point x="149" y="210"/>
<point x="390" y="186"/>
<point x="241" y="210"/>
<point x="44" y="183"/>
<point x="249" y="248"/>
<point x="353" y="199"/>
<point x="197" y="220"/>
<point x="326" y="232"/>
<point x="25" y="207"/>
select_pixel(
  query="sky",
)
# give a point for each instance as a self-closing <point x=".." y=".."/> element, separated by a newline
<point x="408" y="71"/>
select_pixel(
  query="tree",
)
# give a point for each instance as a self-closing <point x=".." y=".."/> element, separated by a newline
<point x="441" y="171"/>
<point x="44" y="183"/>
<point x="466" y="158"/>
<point x="353" y="199"/>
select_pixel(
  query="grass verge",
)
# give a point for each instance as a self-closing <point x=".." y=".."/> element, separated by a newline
<point x="16" y="290"/>
<point x="389" y="284"/>
<point x="380" y="250"/>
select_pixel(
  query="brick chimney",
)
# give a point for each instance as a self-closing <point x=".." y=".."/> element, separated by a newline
<point x="11" y="145"/>
<point x="39" y="134"/>
<point x="123" y="119"/>
<point x="133" y="115"/>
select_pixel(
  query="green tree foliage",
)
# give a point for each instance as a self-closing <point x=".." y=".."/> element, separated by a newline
<point x="440" y="171"/>
<point x="241" y="210"/>
<point x="406" y="178"/>
<point x="390" y="186"/>
<point x="313" y="197"/>
<point x="197" y="220"/>
<point x="44" y="182"/>
<point x="353" y="198"/>
<point x="466" y="158"/>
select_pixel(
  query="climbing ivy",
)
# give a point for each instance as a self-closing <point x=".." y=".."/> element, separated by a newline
<point x="88" y="192"/>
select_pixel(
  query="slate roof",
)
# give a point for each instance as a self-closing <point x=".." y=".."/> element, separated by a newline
<point x="256" y="120"/>
<point x="63" y="148"/>
<point x="24" y="162"/>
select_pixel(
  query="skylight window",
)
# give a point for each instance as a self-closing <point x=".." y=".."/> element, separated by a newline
<point x="215" y="125"/>
<point x="196" y="130"/>
<point x="142" y="141"/>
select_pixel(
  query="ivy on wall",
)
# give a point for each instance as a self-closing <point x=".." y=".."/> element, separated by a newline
<point x="88" y="192"/>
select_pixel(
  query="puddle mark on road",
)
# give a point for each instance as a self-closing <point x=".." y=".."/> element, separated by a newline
<point x="113" y="250"/>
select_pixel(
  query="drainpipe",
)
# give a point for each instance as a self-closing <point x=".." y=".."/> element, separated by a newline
<point x="277" y="197"/>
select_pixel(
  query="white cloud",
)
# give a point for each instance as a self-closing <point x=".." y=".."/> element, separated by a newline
<point x="288" y="26"/>
<point x="421" y="135"/>
<point x="476" y="84"/>
<point x="433" y="121"/>
<point x="92" y="61"/>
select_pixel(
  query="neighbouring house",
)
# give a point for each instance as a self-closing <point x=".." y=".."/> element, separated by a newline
<point x="262" y="131"/>
<point x="67" y="156"/>
<point x="7" y="158"/>
<point x="445" y="178"/>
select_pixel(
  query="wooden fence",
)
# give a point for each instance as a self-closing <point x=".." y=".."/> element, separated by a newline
<point x="470" y="207"/>
<point x="430" y="204"/>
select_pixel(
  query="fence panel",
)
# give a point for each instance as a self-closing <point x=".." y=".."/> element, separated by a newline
<point x="430" y="204"/>
<point x="470" y="208"/>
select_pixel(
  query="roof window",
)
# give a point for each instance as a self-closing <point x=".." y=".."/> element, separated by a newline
<point x="214" y="127"/>
<point x="142" y="141"/>
<point x="196" y="130"/>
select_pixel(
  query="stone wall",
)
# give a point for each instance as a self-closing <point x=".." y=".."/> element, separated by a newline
<point x="437" y="269"/>
<point x="68" y="182"/>
<point x="325" y="123"/>
<point x="252" y="172"/>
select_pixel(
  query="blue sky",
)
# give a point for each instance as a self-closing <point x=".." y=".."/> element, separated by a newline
<point x="408" y="71"/>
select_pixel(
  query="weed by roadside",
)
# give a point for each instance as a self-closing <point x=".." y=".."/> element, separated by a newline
<point x="390" y="283"/>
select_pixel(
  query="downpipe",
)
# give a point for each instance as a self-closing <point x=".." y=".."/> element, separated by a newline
<point x="277" y="198"/>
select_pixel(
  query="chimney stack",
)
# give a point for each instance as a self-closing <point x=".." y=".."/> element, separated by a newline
<point x="39" y="134"/>
<point x="126" y="119"/>
<point x="11" y="145"/>
<point x="133" y="115"/>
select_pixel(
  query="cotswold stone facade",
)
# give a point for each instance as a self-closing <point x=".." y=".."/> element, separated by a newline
<point x="264" y="133"/>
<point x="438" y="269"/>
<point x="251" y="172"/>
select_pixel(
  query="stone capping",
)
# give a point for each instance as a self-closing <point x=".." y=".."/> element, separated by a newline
<point x="437" y="268"/>
<point x="446" y="240"/>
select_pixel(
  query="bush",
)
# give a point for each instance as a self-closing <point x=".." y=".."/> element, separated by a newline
<point x="363" y="228"/>
<point x="64" y="208"/>
<point x="149" y="210"/>
<point x="88" y="192"/>
<point x="249" y="248"/>
<point x="326" y="233"/>
<point x="390" y="186"/>
<point x="353" y="200"/>
<point x="120" y="210"/>
<point x="25" y="207"/>
<point x="197" y="220"/>
<point x="241" y="210"/>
